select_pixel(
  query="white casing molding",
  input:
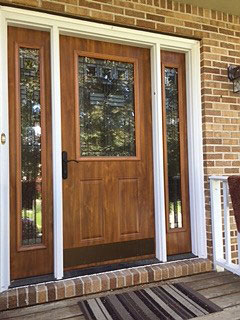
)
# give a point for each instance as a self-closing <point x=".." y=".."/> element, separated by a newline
<point x="57" y="25"/>
<point x="4" y="163"/>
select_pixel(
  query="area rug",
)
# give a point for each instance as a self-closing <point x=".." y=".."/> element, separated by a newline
<point x="169" y="301"/>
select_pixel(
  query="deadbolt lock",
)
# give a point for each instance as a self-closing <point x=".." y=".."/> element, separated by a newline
<point x="3" y="138"/>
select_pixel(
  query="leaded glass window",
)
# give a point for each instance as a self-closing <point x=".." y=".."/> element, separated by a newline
<point x="173" y="147"/>
<point x="31" y="172"/>
<point x="106" y="108"/>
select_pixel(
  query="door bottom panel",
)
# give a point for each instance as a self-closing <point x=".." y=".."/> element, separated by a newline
<point x="74" y="257"/>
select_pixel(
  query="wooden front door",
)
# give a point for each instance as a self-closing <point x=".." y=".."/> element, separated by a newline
<point x="30" y="153"/>
<point x="175" y="153"/>
<point x="107" y="136"/>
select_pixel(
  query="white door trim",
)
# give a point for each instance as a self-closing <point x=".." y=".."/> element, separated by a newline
<point x="4" y="163"/>
<point x="62" y="25"/>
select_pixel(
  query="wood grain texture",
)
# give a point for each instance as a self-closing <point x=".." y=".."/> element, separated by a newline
<point x="109" y="171"/>
<point x="128" y="207"/>
<point x="178" y="239"/>
<point x="32" y="260"/>
<point x="91" y="222"/>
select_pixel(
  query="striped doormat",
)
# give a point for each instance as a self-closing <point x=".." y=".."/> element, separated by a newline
<point x="168" y="301"/>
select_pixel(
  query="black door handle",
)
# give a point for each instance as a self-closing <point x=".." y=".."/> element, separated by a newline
<point x="65" y="164"/>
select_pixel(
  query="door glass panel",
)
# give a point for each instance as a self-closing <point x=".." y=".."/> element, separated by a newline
<point x="173" y="148"/>
<point x="106" y="108"/>
<point x="31" y="173"/>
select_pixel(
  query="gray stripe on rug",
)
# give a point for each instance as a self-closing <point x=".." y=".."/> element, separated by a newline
<point x="147" y="313"/>
<point x="180" y="309"/>
<point x="104" y="310"/>
<point x="153" y="305"/>
<point x="96" y="310"/>
<point x="169" y="310"/>
<point x="118" y="306"/>
<point x="196" y="309"/>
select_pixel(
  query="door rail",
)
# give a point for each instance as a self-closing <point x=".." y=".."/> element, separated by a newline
<point x="221" y="226"/>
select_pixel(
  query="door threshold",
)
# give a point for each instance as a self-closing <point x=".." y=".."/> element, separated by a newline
<point x="107" y="268"/>
<point x="98" y="269"/>
<point x="83" y="272"/>
<point x="183" y="256"/>
<point x="32" y="280"/>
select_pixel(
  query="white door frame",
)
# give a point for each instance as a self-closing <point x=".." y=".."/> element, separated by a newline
<point x="62" y="25"/>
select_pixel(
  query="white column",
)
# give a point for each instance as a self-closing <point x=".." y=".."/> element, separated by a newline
<point x="4" y="162"/>
<point x="57" y="155"/>
<point x="195" y="153"/>
<point x="159" y="197"/>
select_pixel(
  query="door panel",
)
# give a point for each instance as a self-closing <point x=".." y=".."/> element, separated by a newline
<point x="30" y="153"/>
<point x="175" y="153"/>
<point x="128" y="207"/>
<point x="91" y="210"/>
<point x="106" y="130"/>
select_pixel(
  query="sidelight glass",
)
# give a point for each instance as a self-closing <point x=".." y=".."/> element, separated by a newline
<point x="31" y="166"/>
<point x="106" y="108"/>
<point x="173" y="148"/>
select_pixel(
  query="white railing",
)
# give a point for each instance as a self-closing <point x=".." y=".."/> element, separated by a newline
<point x="220" y="200"/>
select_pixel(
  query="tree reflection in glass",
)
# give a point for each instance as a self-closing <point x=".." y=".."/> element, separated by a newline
<point x="31" y="175"/>
<point x="173" y="148"/>
<point x="106" y="105"/>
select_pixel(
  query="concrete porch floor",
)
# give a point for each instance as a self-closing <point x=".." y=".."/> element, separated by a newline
<point x="222" y="288"/>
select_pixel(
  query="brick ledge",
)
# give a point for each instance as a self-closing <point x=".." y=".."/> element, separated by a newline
<point x="68" y="288"/>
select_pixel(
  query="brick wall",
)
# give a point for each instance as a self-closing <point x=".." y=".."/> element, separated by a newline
<point x="220" y="46"/>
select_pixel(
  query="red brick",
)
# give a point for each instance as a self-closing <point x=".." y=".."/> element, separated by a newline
<point x="165" y="28"/>
<point x="12" y="299"/>
<point x="53" y="6"/>
<point x="155" y="17"/>
<point x="41" y="291"/>
<point x="209" y="28"/>
<point x="51" y="292"/>
<point x="32" y="295"/>
<point x="128" y="277"/>
<point x="3" y="301"/>
<point x="136" y="276"/>
<point x="113" y="280"/>
<point x="96" y="283"/>
<point x="134" y="13"/>
<point x="60" y="290"/>
<point x="69" y="288"/>
<point x="124" y="20"/>
<point x="146" y="24"/>
<point x="87" y="284"/>
<point x="105" y="282"/>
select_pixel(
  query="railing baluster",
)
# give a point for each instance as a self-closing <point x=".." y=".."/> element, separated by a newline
<point x="217" y="230"/>
<point x="227" y="222"/>
<point x="238" y="241"/>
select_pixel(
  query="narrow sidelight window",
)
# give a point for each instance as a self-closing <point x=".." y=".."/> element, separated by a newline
<point x="31" y="146"/>
<point x="175" y="153"/>
<point x="173" y="148"/>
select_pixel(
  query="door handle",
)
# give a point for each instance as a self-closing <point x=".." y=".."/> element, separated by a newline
<point x="65" y="164"/>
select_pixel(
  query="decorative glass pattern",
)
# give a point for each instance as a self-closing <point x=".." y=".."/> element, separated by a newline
<point x="31" y="168"/>
<point x="173" y="148"/>
<point x="106" y="105"/>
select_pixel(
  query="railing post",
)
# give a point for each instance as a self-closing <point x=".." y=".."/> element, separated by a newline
<point x="217" y="229"/>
